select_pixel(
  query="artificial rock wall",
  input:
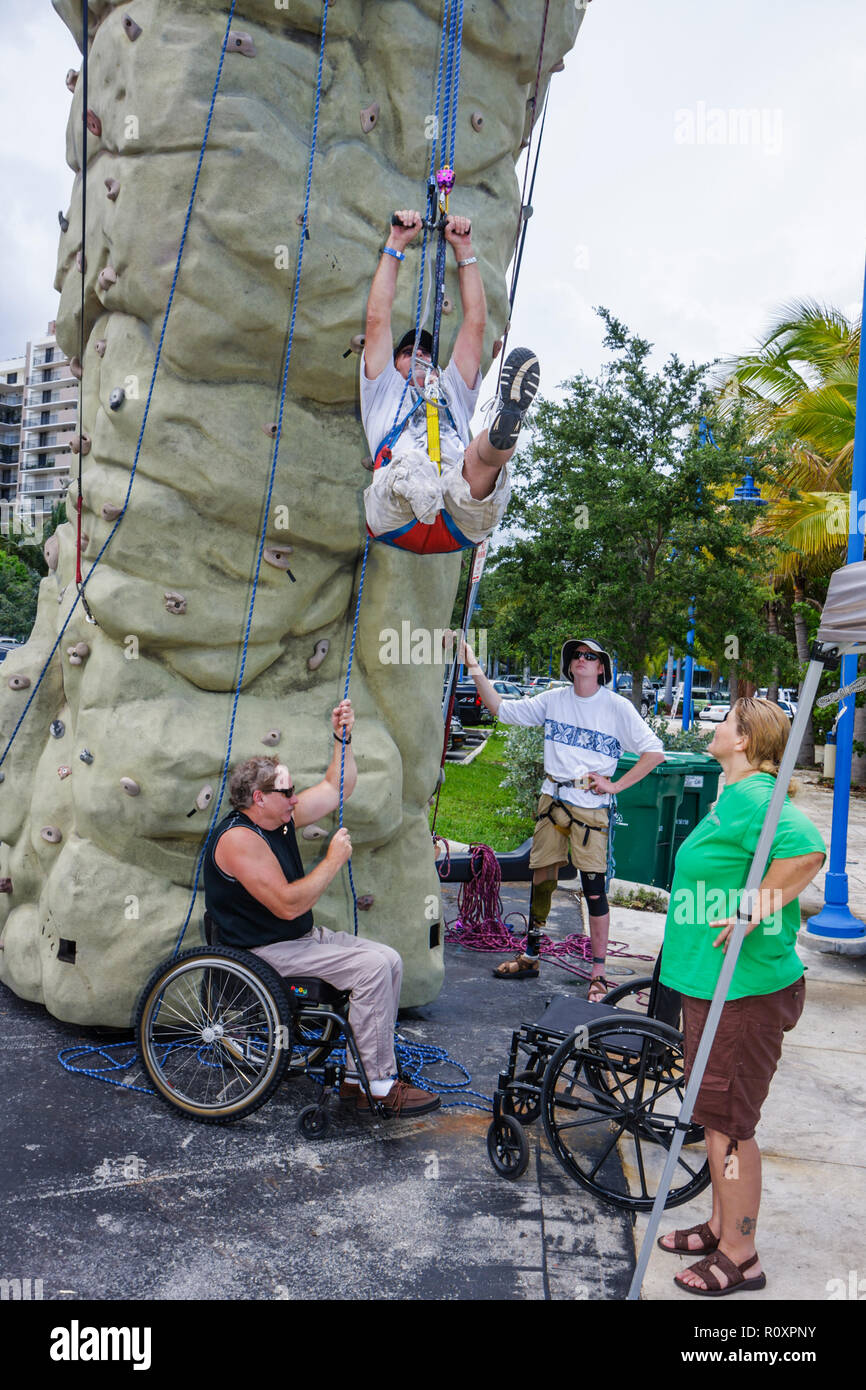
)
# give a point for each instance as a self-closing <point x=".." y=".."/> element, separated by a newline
<point x="101" y="852"/>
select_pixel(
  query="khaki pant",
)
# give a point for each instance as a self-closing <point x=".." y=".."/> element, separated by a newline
<point x="370" y="971"/>
<point x="551" y="845"/>
<point x="411" y="486"/>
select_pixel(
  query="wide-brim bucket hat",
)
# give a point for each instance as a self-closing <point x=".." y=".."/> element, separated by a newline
<point x="570" y="647"/>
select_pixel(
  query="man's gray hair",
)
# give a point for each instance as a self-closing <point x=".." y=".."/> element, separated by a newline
<point x="255" y="775"/>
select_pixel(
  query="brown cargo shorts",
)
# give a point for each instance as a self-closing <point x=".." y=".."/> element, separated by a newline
<point x="743" y="1058"/>
<point x="587" y="838"/>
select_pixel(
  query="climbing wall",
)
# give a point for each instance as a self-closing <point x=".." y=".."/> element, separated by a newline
<point x="105" y="801"/>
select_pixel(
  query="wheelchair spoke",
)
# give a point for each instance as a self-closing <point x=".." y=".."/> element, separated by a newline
<point x="607" y="1152"/>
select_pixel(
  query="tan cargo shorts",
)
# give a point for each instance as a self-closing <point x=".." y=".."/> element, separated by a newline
<point x="586" y="839"/>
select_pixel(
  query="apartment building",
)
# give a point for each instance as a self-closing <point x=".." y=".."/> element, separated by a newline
<point x="13" y="372"/>
<point x="48" y="422"/>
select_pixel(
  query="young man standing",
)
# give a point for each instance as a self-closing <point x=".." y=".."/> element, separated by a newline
<point x="586" y="729"/>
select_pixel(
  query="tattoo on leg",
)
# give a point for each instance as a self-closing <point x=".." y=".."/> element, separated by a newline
<point x="747" y="1225"/>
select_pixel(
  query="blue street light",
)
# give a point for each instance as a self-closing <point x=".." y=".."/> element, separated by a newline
<point x="835" y="921"/>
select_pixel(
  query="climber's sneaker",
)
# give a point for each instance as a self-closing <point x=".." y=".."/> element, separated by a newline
<point x="518" y="385"/>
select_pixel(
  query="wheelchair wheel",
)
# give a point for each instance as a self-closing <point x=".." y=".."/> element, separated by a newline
<point x="313" y="1122"/>
<point x="611" y="1098"/>
<point x="524" y="1106"/>
<point x="214" y="1032"/>
<point x="508" y="1147"/>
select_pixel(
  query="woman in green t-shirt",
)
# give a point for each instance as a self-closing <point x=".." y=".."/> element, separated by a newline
<point x="766" y="995"/>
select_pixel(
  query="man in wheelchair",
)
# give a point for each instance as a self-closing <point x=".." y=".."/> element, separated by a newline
<point x="260" y="900"/>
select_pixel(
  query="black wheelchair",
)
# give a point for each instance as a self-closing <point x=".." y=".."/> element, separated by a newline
<point x="218" y="1030"/>
<point x="608" y="1084"/>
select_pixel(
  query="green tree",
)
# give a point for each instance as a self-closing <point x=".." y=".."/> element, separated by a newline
<point x="621" y="517"/>
<point x="19" y="587"/>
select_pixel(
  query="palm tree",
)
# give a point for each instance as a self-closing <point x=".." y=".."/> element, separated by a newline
<point x="802" y="384"/>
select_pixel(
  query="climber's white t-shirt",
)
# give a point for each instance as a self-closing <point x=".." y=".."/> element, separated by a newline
<point x="381" y="397"/>
<point x="581" y="734"/>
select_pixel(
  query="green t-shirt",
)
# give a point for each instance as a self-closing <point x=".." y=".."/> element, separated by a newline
<point x="711" y="868"/>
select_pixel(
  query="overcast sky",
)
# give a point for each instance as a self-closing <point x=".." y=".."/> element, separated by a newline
<point x="654" y="197"/>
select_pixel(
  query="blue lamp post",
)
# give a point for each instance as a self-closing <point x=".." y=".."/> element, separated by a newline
<point x="835" y="921"/>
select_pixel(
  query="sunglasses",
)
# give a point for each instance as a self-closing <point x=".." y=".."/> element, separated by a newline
<point x="287" y="792"/>
<point x="585" y="656"/>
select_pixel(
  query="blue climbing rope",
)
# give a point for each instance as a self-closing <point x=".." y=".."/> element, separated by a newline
<point x="267" y="503"/>
<point x="80" y="594"/>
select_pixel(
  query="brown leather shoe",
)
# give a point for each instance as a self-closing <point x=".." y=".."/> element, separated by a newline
<point x="349" y="1091"/>
<point x="403" y="1099"/>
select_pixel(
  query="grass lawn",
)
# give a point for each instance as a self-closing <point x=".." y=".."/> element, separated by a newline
<point x="472" y="799"/>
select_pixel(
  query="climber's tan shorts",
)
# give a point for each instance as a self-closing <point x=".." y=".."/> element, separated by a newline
<point x="551" y="846"/>
<point x="411" y="486"/>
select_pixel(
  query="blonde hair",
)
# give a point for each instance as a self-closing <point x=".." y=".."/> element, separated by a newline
<point x="765" y="727"/>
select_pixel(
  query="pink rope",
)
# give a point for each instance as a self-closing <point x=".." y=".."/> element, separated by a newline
<point x="479" y="924"/>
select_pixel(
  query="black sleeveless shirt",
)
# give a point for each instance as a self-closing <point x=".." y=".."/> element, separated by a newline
<point x="240" y="918"/>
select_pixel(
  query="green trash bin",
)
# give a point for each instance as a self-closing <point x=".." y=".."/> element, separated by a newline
<point x="655" y="816"/>
<point x="701" y="775"/>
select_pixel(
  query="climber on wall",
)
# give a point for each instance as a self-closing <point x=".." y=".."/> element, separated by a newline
<point x="460" y="500"/>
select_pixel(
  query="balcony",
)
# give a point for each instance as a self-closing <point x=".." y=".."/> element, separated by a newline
<point x="16" y="398"/>
<point x="42" y="465"/>
<point x="35" y="421"/>
<point x="36" y="489"/>
<point x="35" y="444"/>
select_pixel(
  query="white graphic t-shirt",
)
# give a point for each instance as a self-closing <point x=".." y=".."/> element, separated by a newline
<point x="581" y="734"/>
<point x="381" y="397"/>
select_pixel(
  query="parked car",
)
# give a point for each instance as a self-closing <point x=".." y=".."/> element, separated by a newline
<point x="624" y="683"/>
<point x="713" y="714"/>
<point x="7" y="645"/>
<point x="468" y="705"/>
<point x="507" y="689"/>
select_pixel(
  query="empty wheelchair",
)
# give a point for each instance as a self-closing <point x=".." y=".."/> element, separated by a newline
<point x="608" y="1084"/>
<point x="218" y="1030"/>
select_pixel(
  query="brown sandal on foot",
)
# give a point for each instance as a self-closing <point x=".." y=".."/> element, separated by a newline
<point x="681" y="1246"/>
<point x="598" y="983"/>
<point x="737" y="1281"/>
<point x="520" y="968"/>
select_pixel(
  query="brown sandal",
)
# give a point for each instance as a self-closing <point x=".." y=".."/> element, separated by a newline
<point x="526" y="968"/>
<point x="681" y="1246"/>
<point x="737" y="1281"/>
<point x="598" y="982"/>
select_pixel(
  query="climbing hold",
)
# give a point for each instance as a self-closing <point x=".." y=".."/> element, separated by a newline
<point x="357" y="343"/>
<point x="320" y="651"/>
<point x="365" y="902"/>
<point x="107" y="277"/>
<point x="110" y="512"/>
<point x="51" y="552"/>
<point x="367" y="462"/>
<point x="497" y="348"/>
<point x="80" y="442"/>
<point x="64" y="221"/>
<point x="79" y="261"/>
<point x="58" y="728"/>
<point x="5" y="885"/>
<point x="133" y="30"/>
<point x="175" y="603"/>
<point x="313" y="832"/>
<point x="94" y="124"/>
<point x="240" y="43"/>
<point x="278" y="556"/>
<point x="369" y="117"/>
<point x="63" y="772"/>
<point x="117" y="397"/>
<point x="205" y="797"/>
<point x="51" y="834"/>
<point x="559" y="67"/>
<point x="78" y="654"/>
<point x="477" y="120"/>
<point x="86" y="756"/>
<point x="272" y="738"/>
<point x="447" y="304"/>
<point x="19" y="682"/>
<point x="100" y="345"/>
<point x="75" y="368"/>
<point x="113" y="188"/>
<point x="71" y="78"/>
<point x="271" y="429"/>
<point x="131" y="788"/>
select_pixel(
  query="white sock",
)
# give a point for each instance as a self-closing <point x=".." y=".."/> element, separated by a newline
<point x="380" y="1089"/>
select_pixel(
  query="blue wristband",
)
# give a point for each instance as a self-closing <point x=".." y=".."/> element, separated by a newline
<point x="389" y="251"/>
